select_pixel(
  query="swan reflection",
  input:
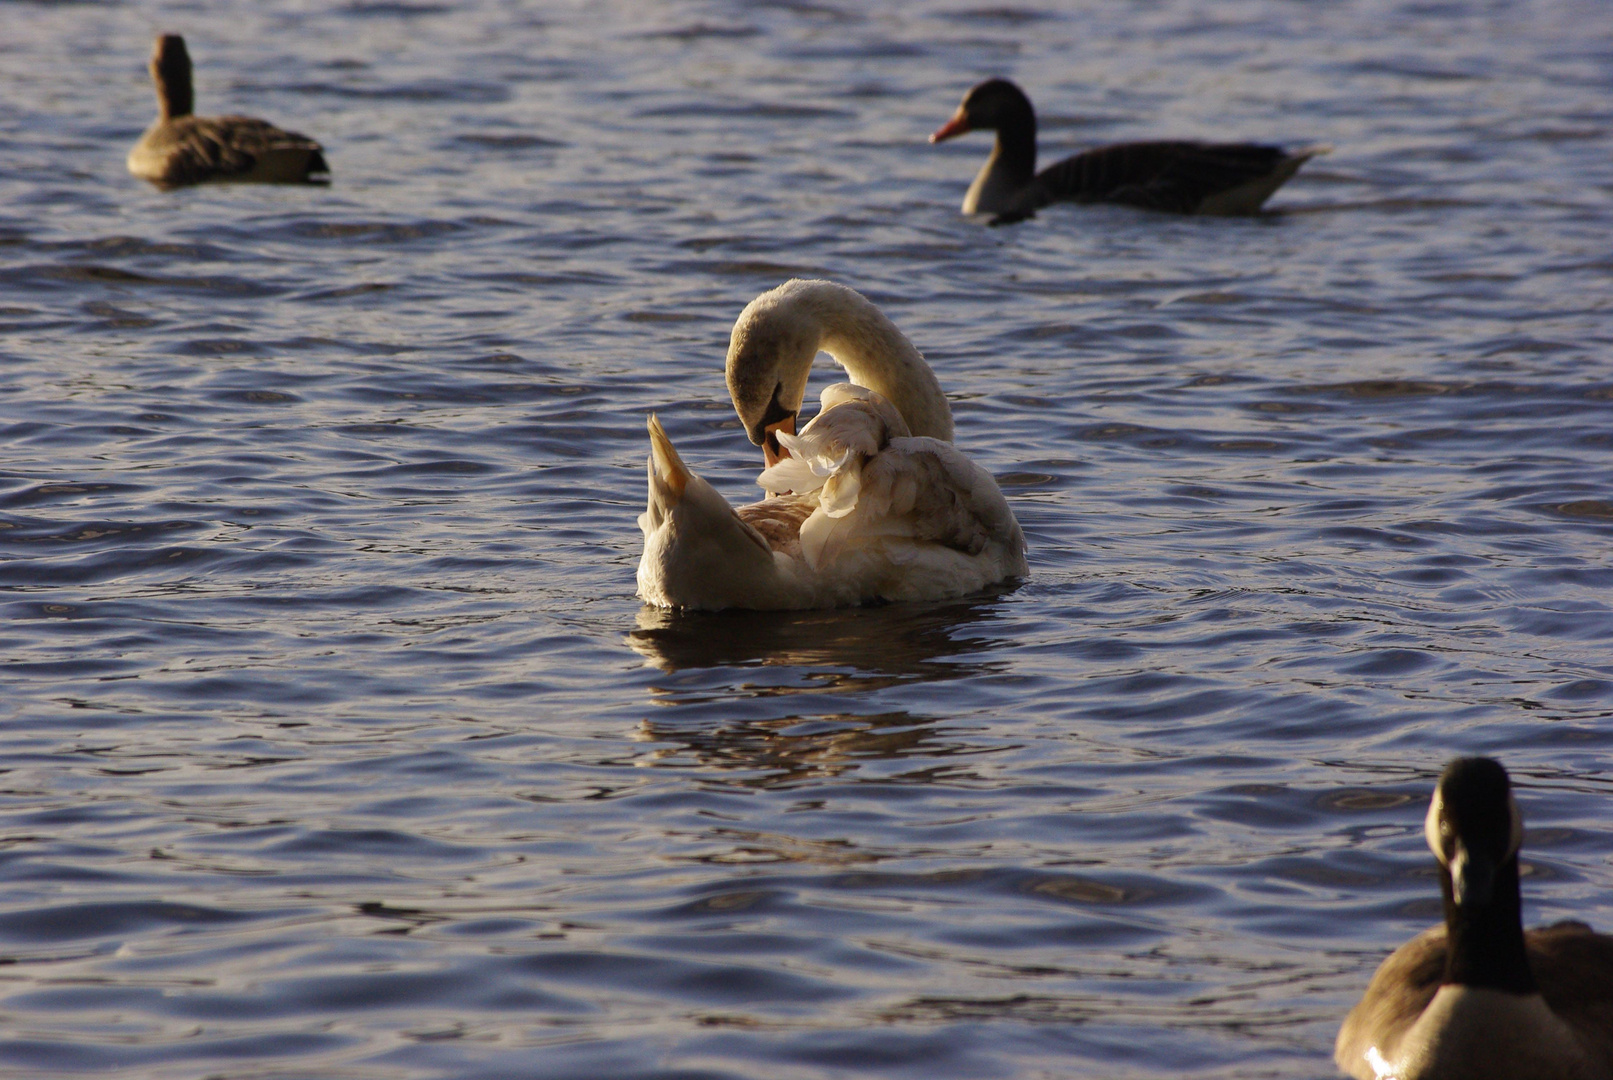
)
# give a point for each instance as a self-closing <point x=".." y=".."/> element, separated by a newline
<point x="907" y="641"/>
<point x="792" y="750"/>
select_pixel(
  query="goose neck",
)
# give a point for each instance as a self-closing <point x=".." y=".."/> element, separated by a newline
<point x="1485" y="944"/>
<point x="1014" y="153"/>
<point x="170" y="73"/>
<point x="173" y="102"/>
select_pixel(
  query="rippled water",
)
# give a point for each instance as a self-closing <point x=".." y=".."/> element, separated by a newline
<point x="336" y="745"/>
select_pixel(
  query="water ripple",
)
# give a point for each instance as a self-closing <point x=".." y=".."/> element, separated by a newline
<point x="336" y="744"/>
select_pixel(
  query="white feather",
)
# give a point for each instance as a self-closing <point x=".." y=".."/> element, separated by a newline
<point x="790" y="474"/>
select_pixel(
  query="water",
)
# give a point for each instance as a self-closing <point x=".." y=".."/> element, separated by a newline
<point x="336" y="745"/>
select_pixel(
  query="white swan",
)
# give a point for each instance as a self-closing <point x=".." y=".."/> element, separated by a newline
<point x="877" y="504"/>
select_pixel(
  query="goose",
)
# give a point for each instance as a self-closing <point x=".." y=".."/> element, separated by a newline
<point x="179" y="148"/>
<point x="1179" y="176"/>
<point x="1477" y="998"/>
<point x="873" y="502"/>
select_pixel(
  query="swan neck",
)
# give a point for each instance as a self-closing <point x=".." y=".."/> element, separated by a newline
<point x="877" y="355"/>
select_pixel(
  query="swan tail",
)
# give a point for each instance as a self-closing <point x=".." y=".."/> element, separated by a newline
<point x="669" y="476"/>
<point x="668" y="479"/>
<point x="698" y="553"/>
<point x="674" y="487"/>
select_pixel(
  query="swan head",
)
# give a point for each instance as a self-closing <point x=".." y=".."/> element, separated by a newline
<point x="170" y="71"/>
<point x="1473" y="827"/>
<point x="988" y="106"/>
<point x="770" y="356"/>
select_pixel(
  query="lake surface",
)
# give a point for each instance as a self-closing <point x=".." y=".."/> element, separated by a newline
<point x="335" y="744"/>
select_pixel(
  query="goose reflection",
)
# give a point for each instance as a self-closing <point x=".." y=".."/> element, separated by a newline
<point x="900" y="641"/>
<point x="792" y="750"/>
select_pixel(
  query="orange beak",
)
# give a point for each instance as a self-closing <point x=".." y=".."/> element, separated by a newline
<point x="955" y="126"/>
<point x="772" y="452"/>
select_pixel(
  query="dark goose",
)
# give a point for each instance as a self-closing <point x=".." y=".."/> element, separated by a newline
<point x="1178" y="176"/>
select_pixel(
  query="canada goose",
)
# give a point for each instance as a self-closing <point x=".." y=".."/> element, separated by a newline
<point x="179" y="148"/>
<point x="1179" y="176"/>
<point x="877" y="504"/>
<point x="1477" y="998"/>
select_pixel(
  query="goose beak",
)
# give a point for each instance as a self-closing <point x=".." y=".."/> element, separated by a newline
<point x="772" y="452"/>
<point x="955" y="126"/>
<point x="1472" y="878"/>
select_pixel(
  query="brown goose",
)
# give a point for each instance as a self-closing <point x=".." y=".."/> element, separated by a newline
<point x="179" y="148"/>
<point x="1477" y="998"/>
<point x="1178" y="176"/>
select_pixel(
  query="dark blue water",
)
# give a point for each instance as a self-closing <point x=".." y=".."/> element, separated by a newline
<point x="335" y="744"/>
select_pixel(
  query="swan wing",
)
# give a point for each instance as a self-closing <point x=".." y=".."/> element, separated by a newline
<point x="919" y="507"/>
<point x="854" y="424"/>
<point x="904" y="515"/>
<point x="938" y="495"/>
<point x="778" y="520"/>
<point x="791" y="474"/>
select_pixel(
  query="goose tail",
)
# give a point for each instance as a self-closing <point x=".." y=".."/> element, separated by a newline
<point x="1304" y="153"/>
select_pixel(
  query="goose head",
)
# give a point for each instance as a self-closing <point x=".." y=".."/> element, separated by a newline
<point x="1473" y="827"/>
<point x="993" y="105"/>
<point x="170" y="72"/>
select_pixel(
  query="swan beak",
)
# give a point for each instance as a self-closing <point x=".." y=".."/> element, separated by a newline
<point x="955" y="126"/>
<point x="772" y="452"/>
